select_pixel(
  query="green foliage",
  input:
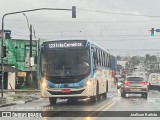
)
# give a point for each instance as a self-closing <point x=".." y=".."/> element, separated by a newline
<point x="150" y="59"/>
<point x="135" y="60"/>
<point x="153" y="58"/>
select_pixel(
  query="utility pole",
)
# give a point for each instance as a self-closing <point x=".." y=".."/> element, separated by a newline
<point x="30" y="41"/>
<point x="30" y="55"/>
<point x="31" y="75"/>
<point x="157" y="62"/>
<point x="24" y="11"/>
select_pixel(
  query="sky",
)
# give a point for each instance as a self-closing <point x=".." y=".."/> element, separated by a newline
<point x="113" y="24"/>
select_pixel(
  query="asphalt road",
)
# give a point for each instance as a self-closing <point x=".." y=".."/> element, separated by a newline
<point x="115" y="107"/>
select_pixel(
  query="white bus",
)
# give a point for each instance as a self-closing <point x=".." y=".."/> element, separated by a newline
<point x="74" y="69"/>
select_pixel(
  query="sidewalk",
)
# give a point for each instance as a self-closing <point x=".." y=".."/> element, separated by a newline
<point x="13" y="97"/>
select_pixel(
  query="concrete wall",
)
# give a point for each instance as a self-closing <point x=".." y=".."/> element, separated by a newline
<point x="11" y="80"/>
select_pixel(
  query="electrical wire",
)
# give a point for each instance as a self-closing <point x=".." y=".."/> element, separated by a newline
<point x="128" y="14"/>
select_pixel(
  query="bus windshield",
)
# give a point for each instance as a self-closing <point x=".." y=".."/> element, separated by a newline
<point x="65" y="63"/>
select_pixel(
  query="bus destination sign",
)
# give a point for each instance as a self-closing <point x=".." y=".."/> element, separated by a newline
<point x="65" y="44"/>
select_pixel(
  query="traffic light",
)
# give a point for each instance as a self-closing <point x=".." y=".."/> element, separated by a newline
<point x="4" y="51"/>
<point x="152" y="32"/>
<point x="73" y="11"/>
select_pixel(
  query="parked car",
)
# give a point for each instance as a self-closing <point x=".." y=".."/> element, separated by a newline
<point x="154" y="81"/>
<point x="136" y="85"/>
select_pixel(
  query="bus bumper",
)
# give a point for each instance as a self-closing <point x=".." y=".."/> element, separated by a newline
<point x="83" y="92"/>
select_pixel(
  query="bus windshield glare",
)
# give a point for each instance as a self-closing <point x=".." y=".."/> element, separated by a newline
<point x="65" y="63"/>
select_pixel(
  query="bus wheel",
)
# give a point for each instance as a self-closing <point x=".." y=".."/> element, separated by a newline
<point x="72" y="100"/>
<point x="105" y="94"/>
<point x="52" y="100"/>
<point x="107" y="87"/>
<point x="94" y="99"/>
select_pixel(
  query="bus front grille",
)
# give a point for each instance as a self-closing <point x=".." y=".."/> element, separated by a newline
<point x="68" y="93"/>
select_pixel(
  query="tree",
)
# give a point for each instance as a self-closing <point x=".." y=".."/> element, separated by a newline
<point x="153" y="58"/>
<point x="118" y="57"/>
<point x="135" y="60"/>
<point x="147" y="59"/>
<point x="147" y="56"/>
<point x="150" y="59"/>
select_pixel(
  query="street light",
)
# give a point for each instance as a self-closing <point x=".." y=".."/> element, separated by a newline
<point x="30" y="31"/>
<point x="30" y="35"/>
<point x="29" y="25"/>
<point x="27" y="20"/>
<point x="2" y="36"/>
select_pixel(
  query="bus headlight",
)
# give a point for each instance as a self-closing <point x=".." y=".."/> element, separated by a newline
<point x="44" y="84"/>
<point x="88" y="83"/>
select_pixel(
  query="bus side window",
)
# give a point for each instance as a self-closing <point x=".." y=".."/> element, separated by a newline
<point x="95" y="58"/>
<point x="109" y="61"/>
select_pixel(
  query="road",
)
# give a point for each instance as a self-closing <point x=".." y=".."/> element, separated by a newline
<point x="114" y="103"/>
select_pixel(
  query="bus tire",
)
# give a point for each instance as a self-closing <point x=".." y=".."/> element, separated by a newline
<point x="105" y="93"/>
<point x="107" y="87"/>
<point x="72" y="100"/>
<point x="52" y="100"/>
<point x="95" y="98"/>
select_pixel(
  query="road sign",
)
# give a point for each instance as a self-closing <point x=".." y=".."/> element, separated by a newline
<point x="157" y="30"/>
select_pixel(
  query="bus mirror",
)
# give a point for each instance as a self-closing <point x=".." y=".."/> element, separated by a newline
<point x="95" y="56"/>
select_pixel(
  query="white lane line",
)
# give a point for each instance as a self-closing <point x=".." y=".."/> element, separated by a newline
<point x="108" y="107"/>
<point x="105" y="105"/>
<point x="102" y="108"/>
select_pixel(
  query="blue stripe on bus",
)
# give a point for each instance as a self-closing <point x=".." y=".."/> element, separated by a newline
<point x="69" y="85"/>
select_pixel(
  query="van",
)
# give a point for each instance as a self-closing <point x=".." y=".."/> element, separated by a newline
<point x="154" y="81"/>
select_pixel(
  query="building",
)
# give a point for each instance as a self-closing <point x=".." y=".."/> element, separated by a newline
<point x="18" y="72"/>
<point x="7" y="34"/>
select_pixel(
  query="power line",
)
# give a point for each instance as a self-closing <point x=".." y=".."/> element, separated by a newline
<point x="91" y="22"/>
<point x="20" y="35"/>
<point x="102" y="38"/>
<point x="116" y="13"/>
<point x="124" y="50"/>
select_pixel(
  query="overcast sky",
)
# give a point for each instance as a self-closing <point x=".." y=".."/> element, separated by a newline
<point x="114" y="24"/>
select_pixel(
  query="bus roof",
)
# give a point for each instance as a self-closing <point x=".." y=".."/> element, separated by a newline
<point x="93" y="43"/>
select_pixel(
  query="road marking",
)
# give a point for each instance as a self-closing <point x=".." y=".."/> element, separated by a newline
<point x="102" y="108"/>
<point x="117" y="98"/>
<point x="107" y="108"/>
<point x="106" y="105"/>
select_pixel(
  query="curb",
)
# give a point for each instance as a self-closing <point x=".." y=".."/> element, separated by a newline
<point x="30" y="100"/>
<point x="16" y="102"/>
<point x="16" y="90"/>
<point x="5" y="105"/>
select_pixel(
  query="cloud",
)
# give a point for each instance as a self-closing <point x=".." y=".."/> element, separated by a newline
<point x="108" y="29"/>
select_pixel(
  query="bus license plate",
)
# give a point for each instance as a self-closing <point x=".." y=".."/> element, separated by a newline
<point x="66" y="90"/>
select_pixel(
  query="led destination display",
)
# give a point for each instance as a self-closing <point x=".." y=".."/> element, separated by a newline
<point x="64" y="44"/>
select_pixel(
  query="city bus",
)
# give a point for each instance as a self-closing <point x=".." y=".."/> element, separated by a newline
<point x="74" y="69"/>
